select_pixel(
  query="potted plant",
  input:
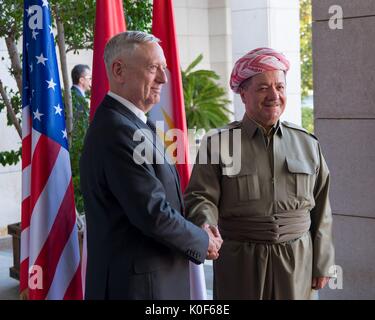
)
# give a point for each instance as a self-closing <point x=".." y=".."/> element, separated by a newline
<point x="205" y="100"/>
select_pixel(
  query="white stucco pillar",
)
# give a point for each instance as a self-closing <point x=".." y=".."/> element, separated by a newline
<point x="220" y="27"/>
<point x="274" y="24"/>
<point x="10" y="176"/>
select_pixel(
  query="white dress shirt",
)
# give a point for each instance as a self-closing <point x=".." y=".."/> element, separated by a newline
<point x="138" y="112"/>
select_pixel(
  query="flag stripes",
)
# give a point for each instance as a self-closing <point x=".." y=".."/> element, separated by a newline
<point x="50" y="261"/>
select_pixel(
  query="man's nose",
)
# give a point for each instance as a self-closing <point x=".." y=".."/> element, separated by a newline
<point x="162" y="76"/>
<point x="273" y="94"/>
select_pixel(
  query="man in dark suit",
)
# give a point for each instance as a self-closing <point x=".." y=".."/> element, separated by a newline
<point x="81" y="77"/>
<point x="139" y="242"/>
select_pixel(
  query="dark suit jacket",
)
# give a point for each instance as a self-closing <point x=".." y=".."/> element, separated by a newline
<point x="139" y="244"/>
<point x="77" y="105"/>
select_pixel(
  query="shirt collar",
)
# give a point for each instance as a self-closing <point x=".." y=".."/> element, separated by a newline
<point x="251" y="126"/>
<point x="138" y="112"/>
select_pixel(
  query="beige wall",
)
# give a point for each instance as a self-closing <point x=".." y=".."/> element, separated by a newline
<point x="344" y="88"/>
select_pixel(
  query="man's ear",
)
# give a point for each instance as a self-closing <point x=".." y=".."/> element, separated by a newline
<point x="242" y="95"/>
<point x="117" y="70"/>
<point x="81" y="80"/>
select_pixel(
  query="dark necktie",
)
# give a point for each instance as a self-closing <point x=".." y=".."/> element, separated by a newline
<point x="151" y="125"/>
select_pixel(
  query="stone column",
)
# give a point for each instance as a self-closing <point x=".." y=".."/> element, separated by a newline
<point x="191" y="18"/>
<point x="344" y="105"/>
<point x="220" y="30"/>
<point x="204" y="27"/>
<point x="275" y="24"/>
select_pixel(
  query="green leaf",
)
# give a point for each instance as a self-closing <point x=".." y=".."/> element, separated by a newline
<point x="308" y="119"/>
<point x="11" y="157"/>
<point x="192" y="65"/>
<point x="306" y="47"/>
<point x="205" y="101"/>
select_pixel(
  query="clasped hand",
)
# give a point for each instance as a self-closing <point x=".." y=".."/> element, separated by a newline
<point x="215" y="241"/>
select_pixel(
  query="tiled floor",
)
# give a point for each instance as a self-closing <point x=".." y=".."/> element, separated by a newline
<point x="9" y="286"/>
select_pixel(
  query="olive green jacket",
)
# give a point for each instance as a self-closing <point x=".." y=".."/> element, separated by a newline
<point x="278" y="175"/>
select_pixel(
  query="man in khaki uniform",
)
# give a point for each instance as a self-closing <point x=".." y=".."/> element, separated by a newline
<point x="273" y="213"/>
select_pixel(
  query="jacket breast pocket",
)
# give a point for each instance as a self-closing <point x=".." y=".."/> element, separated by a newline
<point x="248" y="187"/>
<point x="300" y="178"/>
<point x="241" y="188"/>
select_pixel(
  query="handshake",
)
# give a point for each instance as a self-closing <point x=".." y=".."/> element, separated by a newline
<point x="215" y="241"/>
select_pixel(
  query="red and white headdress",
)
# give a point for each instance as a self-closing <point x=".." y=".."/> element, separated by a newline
<point x="254" y="62"/>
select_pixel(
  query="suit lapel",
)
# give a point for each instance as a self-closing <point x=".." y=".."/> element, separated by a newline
<point x="168" y="162"/>
<point x="109" y="102"/>
<point x="160" y="147"/>
<point x="177" y="179"/>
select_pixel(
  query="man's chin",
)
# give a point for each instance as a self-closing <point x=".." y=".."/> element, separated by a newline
<point x="274" y="116"/>
<point x="152" y="102"/>
<point x="155" y="99"/>
<point x="270" y="121"/>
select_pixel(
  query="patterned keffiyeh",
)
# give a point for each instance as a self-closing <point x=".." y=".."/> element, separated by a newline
<point x="254" y="62"/>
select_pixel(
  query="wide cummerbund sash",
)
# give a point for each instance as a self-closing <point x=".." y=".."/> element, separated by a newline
<point x="278" y="228"/>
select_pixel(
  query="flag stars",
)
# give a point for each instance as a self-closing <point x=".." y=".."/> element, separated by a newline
<point x="65" y="134"/>
<point x="51" y="84"/>
<point x="58" y="109"/>
<point x="29" y="11"/>
<point x="41" y="59"/>
<point x="37" y="115"/>
<point x="50" y="30"/>
<point x="34" y="34"/>
<point x="45" y="3"/>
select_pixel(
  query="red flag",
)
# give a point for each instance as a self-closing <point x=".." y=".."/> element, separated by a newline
<point x="50" y="261"/>
<point x="163" y="27"/>
<point x="171" y="110"/>
<point x="109" y="21"/>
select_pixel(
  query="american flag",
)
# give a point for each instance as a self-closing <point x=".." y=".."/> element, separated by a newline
<point x="50" y="260"/>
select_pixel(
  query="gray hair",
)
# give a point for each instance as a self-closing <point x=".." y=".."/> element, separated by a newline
<point x="125" y="41"/>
